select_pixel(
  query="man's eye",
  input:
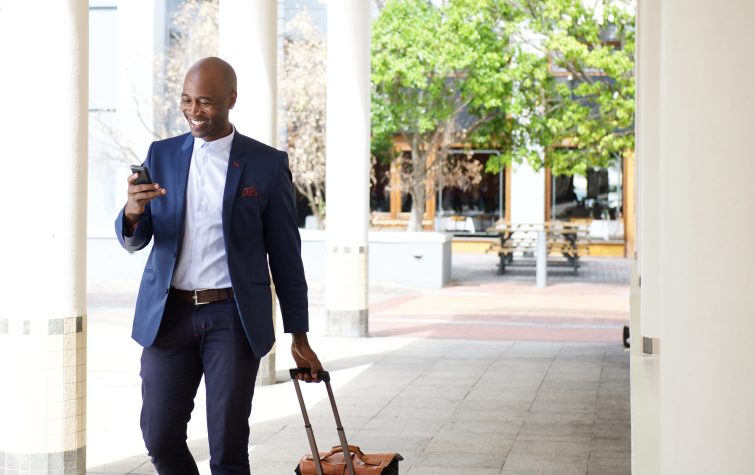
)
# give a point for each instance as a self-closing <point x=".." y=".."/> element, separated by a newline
<point x="185" y="101"/>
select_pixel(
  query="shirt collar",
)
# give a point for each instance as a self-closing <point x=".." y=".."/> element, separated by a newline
<point x="216" y="146"/>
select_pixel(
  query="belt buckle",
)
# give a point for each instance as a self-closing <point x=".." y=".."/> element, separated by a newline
<point x="196" y="300"/>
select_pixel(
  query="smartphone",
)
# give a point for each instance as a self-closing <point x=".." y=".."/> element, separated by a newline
<point x="144" y="178"/>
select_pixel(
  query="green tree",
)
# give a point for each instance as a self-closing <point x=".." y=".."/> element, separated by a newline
<point x="587" y="118"/>
<point x="451" y="74"/>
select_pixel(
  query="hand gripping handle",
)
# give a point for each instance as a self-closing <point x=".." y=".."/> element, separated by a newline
<point x="322" y="375"/>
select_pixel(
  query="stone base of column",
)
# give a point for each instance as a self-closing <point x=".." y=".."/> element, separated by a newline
<point x="346" y="290"/>
<point x="71" y="462"/>
<point x="266" y="373"/>
<point x="347" y="323"/>
<point x="43" y="414"/>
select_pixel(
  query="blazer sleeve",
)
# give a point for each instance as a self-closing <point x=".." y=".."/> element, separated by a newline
<point x="143" y="232"/>
<point x="283" y="244"/>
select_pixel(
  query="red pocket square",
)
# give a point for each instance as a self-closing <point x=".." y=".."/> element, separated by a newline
<point x="249" y="191"/>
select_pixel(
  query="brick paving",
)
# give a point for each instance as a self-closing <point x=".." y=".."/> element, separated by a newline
<point x="590" y="306"/>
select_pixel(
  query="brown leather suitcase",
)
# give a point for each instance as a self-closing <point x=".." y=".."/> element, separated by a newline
<point x="334" y="461"/>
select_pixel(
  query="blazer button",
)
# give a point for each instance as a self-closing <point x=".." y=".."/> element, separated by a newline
<point x="167" y="290"/>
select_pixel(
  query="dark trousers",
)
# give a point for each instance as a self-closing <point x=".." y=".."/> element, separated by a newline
<point x="193" y="341"/>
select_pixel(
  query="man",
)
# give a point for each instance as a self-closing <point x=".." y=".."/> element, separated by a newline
<point x="222" y="205"/>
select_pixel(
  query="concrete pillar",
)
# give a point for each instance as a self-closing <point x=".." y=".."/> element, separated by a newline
<point x="347" y="168"/>
<point x="42" y="277"/>
<point x="645" y="280"/>
<point x="648" y="156"/>
<point x="704" y="231"/>
<point x="248" y="41"/>
<point x="527" y="195"/>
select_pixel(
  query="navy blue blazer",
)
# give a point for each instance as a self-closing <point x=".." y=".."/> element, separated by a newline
<point x="259" y="221"/>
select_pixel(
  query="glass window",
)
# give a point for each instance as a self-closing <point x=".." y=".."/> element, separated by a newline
<point x="595" y="198"/>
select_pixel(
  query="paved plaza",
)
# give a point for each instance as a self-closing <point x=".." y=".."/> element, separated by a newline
<point x="490" y="375"/>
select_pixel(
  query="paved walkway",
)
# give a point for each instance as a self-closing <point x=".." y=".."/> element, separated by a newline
<point x="488" y="376"/>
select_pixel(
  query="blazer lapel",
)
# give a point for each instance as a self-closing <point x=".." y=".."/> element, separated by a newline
<point x="232" y="179"/>
<point x="183" y="163"/>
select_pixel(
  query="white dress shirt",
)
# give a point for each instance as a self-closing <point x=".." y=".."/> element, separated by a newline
<point x="202" y="260"/>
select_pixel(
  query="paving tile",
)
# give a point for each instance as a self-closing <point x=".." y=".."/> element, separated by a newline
<point x="492" y="406"/>
<point x="609" y="465"/>
<point x="557" y="463"/>
<point x="548" y="447"/>
<point x="505" y="414"/>
<point x="145" y="468"/>
<point x="486" y="428"/>
<point x="567" y="385"/>
<point x="620" y="445"/>
<point x="586" y="407"/>
<point x="432" y="391"/>
<point x="449" y="460"/>
<point x="406" y="425"/>
<point x="561" y="429"/>
<point x="459" y="379"/>
<point x="575" y="395"/>
<point x="470" y="442"/>
<point x="505" y="395"/>
<point x="542" y="471"/>
<point x="451" y="471"/>
<point x="400" y="413"/>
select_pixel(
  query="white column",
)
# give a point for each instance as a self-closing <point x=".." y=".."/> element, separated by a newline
<point x="42" y="276"/>
<point x="648" y="156"/>
<point x="704" y="230"/>
<point x="141" y="29"/>
<point x="248" y="41"/>
<point x="527" y="194"/>
<point x="347" y="167"/>
<point x="645" y="300"/>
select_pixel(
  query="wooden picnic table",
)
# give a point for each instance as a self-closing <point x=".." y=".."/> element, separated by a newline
<point x="570" y="240"/>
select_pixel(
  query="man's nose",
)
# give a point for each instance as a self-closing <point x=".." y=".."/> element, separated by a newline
<point x="193" y="108"/>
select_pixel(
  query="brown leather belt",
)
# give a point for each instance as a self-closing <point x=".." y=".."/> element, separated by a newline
<point x="201" y="296"/>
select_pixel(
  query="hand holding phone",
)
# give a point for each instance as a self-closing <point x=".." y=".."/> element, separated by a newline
<point x="141" y="191"/>
<point x="144" y="178"/>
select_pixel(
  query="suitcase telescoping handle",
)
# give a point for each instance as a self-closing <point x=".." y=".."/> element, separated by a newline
<point x="323" y="376"/>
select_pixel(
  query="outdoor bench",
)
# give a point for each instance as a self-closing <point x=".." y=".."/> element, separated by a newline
<point x="517" y="242"/>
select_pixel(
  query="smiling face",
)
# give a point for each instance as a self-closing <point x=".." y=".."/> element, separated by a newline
<point x="208" y="94"/>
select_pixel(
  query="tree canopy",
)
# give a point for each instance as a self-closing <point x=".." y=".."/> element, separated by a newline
<point x="587" y="119"/>
<point x="446" y="75"/>
<point x="550" y="82"/>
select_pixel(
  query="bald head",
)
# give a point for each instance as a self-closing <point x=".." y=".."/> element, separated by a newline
<point x="209" y="93"/>
<point x="217" y="70"/>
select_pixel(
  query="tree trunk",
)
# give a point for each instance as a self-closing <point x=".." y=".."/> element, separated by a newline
<point x="314" y="199"/>
<point x="418" y="211"/>
<point x="418" y="190"/>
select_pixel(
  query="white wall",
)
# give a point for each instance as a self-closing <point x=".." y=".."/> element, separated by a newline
<point x="424" y="259"/>
<point x="705" y="232"/>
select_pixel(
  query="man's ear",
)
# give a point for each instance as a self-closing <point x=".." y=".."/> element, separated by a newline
<point x="232" y="99"/>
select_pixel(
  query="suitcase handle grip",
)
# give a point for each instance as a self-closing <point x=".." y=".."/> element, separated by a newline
<point x="322" y="375"/>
